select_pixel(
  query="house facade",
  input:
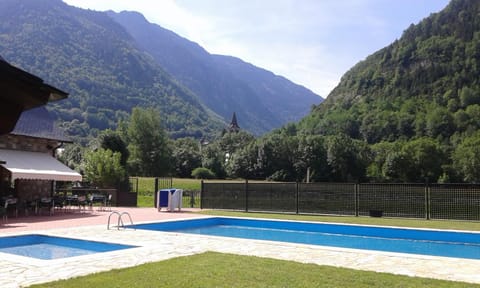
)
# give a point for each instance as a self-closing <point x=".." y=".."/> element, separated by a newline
<point x="30" y="169"/>
<point x="28" y="138"/>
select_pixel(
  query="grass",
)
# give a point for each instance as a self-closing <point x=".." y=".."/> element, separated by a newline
<point x="146" y="187"/>
<point x="147" y="184"/>
<point x="187" y="184"/>
<point x="213" y="269"/>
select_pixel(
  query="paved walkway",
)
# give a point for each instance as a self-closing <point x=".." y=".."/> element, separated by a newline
<point x="87" y="218"/>
<point x="16" y="271"/>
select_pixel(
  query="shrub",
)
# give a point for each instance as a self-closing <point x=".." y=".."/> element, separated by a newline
<point x="103" y="168"/>
<point x="202" y="173"/>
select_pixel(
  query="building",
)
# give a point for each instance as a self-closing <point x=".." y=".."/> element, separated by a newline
<point x="21" y="91"/>
<point x="28" y="168"/>
<point x="233" y="126"/>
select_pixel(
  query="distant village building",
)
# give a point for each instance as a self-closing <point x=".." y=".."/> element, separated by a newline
<point x="233" y="127"/>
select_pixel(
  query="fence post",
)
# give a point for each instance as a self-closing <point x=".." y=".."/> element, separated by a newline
<point x="427" y="199"/>
<point x="201" y="194"/>
<point x="357" y="198"/>
<point x="246" y="195"/>
<point x="192" y="198"/>
<point x="155" y="195"/>
<point x="296" y="196"/>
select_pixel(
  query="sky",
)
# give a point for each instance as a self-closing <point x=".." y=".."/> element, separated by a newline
<point x="310" y="42"/>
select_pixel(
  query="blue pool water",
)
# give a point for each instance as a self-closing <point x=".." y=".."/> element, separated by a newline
<point x="426" y="242"/>
<point x="49" y="247"/>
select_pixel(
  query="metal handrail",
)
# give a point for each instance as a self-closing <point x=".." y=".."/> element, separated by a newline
<point x="119" y="219"/>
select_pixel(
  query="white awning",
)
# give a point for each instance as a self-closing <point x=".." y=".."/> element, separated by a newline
<point x="36" y="165"/>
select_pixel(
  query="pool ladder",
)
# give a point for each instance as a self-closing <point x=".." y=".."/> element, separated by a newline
<point x="120" y="221"/>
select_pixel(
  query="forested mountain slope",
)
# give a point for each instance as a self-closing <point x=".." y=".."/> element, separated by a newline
<point x="93" y="58"/>
<point x="411" y="111"/>
<point x="261" y="100"/>
<point x="424" y="84"/>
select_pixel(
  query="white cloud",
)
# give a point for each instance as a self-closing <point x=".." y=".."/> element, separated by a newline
<point x="166" y="13"/>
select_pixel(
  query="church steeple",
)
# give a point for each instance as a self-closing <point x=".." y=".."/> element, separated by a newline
<point x="233" y="127"/>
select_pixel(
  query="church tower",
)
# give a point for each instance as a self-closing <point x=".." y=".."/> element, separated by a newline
<point x="233" y="127"/>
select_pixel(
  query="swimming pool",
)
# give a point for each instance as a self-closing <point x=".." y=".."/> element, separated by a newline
<point x="50" y="247"/>
<point x="402" y="240"/>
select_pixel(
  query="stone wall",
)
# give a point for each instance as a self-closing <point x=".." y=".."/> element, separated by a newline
<point x="29" y="190"/>
<point x="24" y="143"/>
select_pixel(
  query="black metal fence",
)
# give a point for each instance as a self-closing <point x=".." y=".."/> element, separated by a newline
<point x="427" y="201"/>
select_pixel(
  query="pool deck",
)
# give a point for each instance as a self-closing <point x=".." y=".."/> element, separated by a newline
<point x="17" y="271"/>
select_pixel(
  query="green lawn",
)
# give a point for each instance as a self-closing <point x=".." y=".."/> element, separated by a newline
<point x="226" y="270"/>
<point x="146" y="187"/>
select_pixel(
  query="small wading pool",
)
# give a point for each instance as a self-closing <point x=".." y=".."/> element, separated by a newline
<point x="50" y="247"/>
<point x="415" y="241"/>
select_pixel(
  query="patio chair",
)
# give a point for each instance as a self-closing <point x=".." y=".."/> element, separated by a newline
<point x="46" y="203"/>
<point x="31" y="206"/>
<point x="11" y="205"/>
<point x="3" y="213"/>
<point x="82" y="202"/>
<point x="108" y="203"/>
<point x="59" y="203"/>
<point x="71" y="202"/>
<point x="99" y="199"/>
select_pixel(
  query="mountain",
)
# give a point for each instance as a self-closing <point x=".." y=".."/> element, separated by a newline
<point x="93" y="58"/>
<point x="425" y="84"/>
<point x="262" y="101"/>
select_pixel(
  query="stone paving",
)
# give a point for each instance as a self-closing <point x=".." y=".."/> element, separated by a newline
<point x="17" y="271"/>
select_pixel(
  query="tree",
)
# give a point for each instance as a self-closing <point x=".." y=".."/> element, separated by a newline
<point x="279" y="153"/>
<point x="247" y="162"/>
<point x="395" y="167"/>
<point x="186" y="154"/>
<point x="112" y="140"/>
<point x="347" y="158"/>
<point x="229" y="145"/>
<point x="312" y="154"/>
<point x="202" y="173"/>
<point x="425" y="159"/>
<point x="72" y="156"/>
<point x="469" y="96"/>
<point x="387" y="162"/>
<point x="439" y="121"/>
<point x="102" y="168"/>
<point x="231" y="142"/>
<point x="466" y="158"/>
<point x="213" y="158"/>
<point x="149" y="145"/>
